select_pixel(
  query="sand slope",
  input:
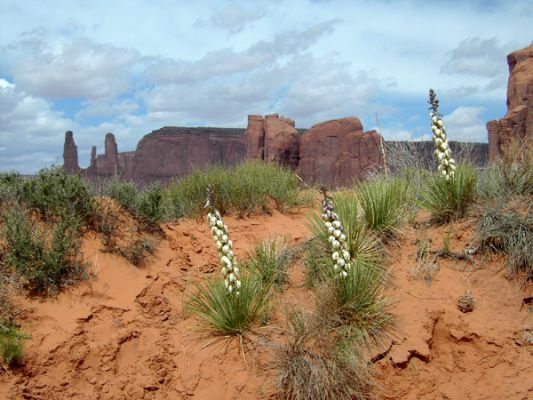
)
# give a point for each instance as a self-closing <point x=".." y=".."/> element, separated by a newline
<point x="124" y="334"/>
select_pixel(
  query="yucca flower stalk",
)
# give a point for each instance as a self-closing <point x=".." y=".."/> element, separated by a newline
<point x="337" y="237"/>
<point x="446" y="164"/>
<point x="224" y="245"/>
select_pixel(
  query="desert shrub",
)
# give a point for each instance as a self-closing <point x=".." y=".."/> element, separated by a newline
<point x="228" y="314"/>
<point x="10" y="188"/>
<point x="384" y="202"/>
<point x="269" y="261"/>
<point x="47" y="259"/>
<point x="124" y="192"/>
<point x="244" y="189"/>
<point x="449" y="199"/>
<point x="354" y="308"/>
<point x="11" y="342"/>
<point x="56" y="194"/>
<point x="311" y="369"/>
<point x="510" y="232"/>
<point x="147" y="205"/>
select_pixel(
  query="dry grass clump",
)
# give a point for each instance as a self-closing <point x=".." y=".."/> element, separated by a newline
<point x="313" y="367"/>
<point x="511" y="232"/>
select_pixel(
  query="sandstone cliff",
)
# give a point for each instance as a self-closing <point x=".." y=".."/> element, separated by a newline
<point x="518" y="121"/>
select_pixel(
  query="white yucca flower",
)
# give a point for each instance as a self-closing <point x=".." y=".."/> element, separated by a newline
<point x="224" y="245"/>
<point x="446" y="164"/>
<point x="337" y="238"/>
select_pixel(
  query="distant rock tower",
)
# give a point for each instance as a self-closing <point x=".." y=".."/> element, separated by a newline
<point x="70" y="154"/>
<point x="518" y="122"/>
<point x="111" y="165"/>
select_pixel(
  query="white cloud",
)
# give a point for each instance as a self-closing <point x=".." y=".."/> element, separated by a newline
<point x="476" y="56"/>
<point x="71" y="68"/>
<point x="465" y="124"/>
<point x="232" y="19"/>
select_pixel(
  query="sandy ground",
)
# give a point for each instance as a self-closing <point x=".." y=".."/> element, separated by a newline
<point x="124" y="334"/>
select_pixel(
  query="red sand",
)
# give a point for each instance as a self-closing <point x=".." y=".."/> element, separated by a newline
<point x="124" y="335"/>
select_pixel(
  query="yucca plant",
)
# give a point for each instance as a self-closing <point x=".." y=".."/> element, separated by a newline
<point x="232" y="305"/>
<point x="449" y="199"/>
<point x="228" y="314"/>
<point x="446" y="164"/>
<point x="385" y="203"/>
<point x="356" y="308"/>
<point x="361" y="243"/>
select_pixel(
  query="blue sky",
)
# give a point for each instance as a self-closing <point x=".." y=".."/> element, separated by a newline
<point x="129" y="67"/>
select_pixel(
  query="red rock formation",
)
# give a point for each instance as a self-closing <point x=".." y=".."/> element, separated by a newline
<point x="338" y="152"/>
<point x="170" y="152"/>
<point x="273" y="139"/>
<point x="282" y="142"/>
<point x="110" y="165"/>
<point x="255" y="138"/>
<point x="518" y="122"/>
<point x="70" y="154"/>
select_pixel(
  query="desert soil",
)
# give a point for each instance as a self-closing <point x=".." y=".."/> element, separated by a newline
<point x="124" y="334"/>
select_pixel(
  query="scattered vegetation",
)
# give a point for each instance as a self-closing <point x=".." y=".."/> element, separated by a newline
<point x="137" y="250"/>
<point x="248" y="188"/>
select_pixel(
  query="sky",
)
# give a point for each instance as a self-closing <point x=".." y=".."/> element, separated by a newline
<point x="130" y="67"/>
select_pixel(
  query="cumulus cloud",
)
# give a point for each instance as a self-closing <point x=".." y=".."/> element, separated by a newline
<point x="476" y="56"/>
<point x="465" y="124"/>
<point x="70" y="68"/>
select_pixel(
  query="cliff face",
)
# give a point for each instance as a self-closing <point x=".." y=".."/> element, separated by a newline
<point x="518" y="121"/>
<point x="170" y="152"/>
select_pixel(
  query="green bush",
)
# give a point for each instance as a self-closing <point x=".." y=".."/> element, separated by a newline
<point x="449" y="199"/>
<point x="385" y="203"/>
<point x="11" y="342"/>
<point x="148" y="205"/>
<point x="229" y="314"/>
<point x="46" y="259"/>
<point x="510" y="232"/>
<point x="56" y="194"/>
<point x="123" y="192"/>
<point x="10" y="188"/>
<point x="245" y="189"/>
